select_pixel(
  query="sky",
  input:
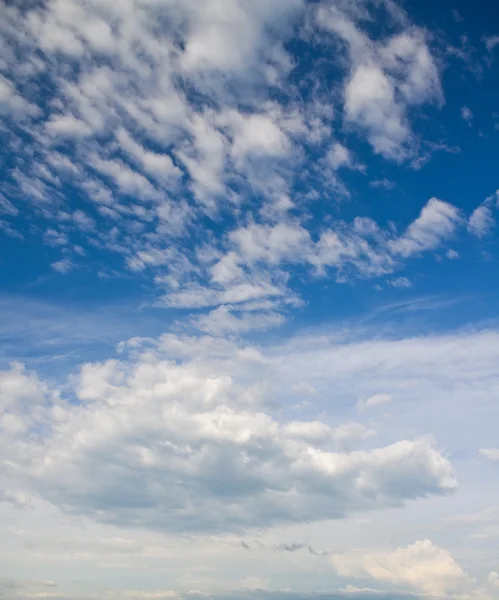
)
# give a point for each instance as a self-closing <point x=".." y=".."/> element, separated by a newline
<point x="248" y="295"/>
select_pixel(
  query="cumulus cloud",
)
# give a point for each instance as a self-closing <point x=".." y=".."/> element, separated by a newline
<point x="185" y="446"/>
<point x="423" y="566"/>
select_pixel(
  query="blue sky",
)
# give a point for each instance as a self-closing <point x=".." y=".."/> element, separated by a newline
<point x="249" y="289"/>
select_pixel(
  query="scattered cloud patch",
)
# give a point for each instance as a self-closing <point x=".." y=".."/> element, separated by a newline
<point x="400" y="282"/>
<point x="491" y="454"/>
<point x="376" y="400"/>
<point x="62" y="266"/>
<point x="384" y="184"/>
<point x="466" y="114"/>
<point x="481" y="221"/>
<point x="423" y="566"/>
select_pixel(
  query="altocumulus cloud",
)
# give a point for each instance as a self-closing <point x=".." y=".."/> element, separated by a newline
<point x="161" y="114"/>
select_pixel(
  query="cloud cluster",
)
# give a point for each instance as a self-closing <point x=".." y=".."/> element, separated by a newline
<point x="168" y="122"/>
<point x="173" y="443"/>
<point x="167" y="453"/>
<point x="258" y="257"/>
<point x="185" y="142"/>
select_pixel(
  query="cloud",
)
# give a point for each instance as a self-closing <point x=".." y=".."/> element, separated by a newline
<point x="127" y="180"/>
<point x="83" y="221"/>
<point x="222" y="320"/>
<point x="190" y="111"/>
<point x="199" y="297"/>
<point x="67" y="125"/>
<point x="62" y="266"/>
<point x="422" y="566"/>
<point x="6" y="207"/>
<point x="113" y="452"/>
<point x="159" y="166"/>
<point x="376" y="400"/>
<point x="255" y="134"/>
<point x="187" y="446"/>
<point x="190" y="148"/>
<point x="55" y="238"/>
<point x="385" y="79"/>
<point x="481" y="221"/>
<point x="400" y="282"/>
<point x="12" y="104"/>
<point x="491" y="42"/>
<point x="466" y="114"/>
<point x="385" y="184"/>
<point x="491" y="454"/>
<point x="437" y="223"/>
<point x="339" y="156"/>
<point x="361" y="246"/>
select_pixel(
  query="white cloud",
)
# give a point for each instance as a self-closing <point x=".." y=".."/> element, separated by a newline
<point x="385" y="79"/>
<point x="159" y="166"/>
<point x="370" y="102"/>
<point x="491" y="42"/>
<point x="491" y="454"/>
<point x="437" y="223"/>
<point x="222" y="320"/>
<point x="422" y="566"/>
<point x="62" y="266"/>
<point x="13" y="104"/>
<point x="230" y="38"/>
<point x="199" y="297"/>
<point x="162" y="444"/>
<point x="205" y="159"/>
<point x="271" y="244"/>
<point x="255" y="134"/>
<point x="481" y="221"/>
<point x="83" y="221"/>
<point x="400" y="282"/>
<point x="20" y="389"/>
<point x="128" y="181"/>
<point x="385" y="184"/>
<point x="6" y="207"/>
<point x="67" y="125"/>
<point x="339" y="156"/>
<point x="178" y="125"/>
<point x="376" y="400"/>
<point x="466" y="114"/>
<point x="362" y="246"/>
<point x="235" y="404"/>
<point x="55" y="238"/>
<point x="181" y="129"/>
